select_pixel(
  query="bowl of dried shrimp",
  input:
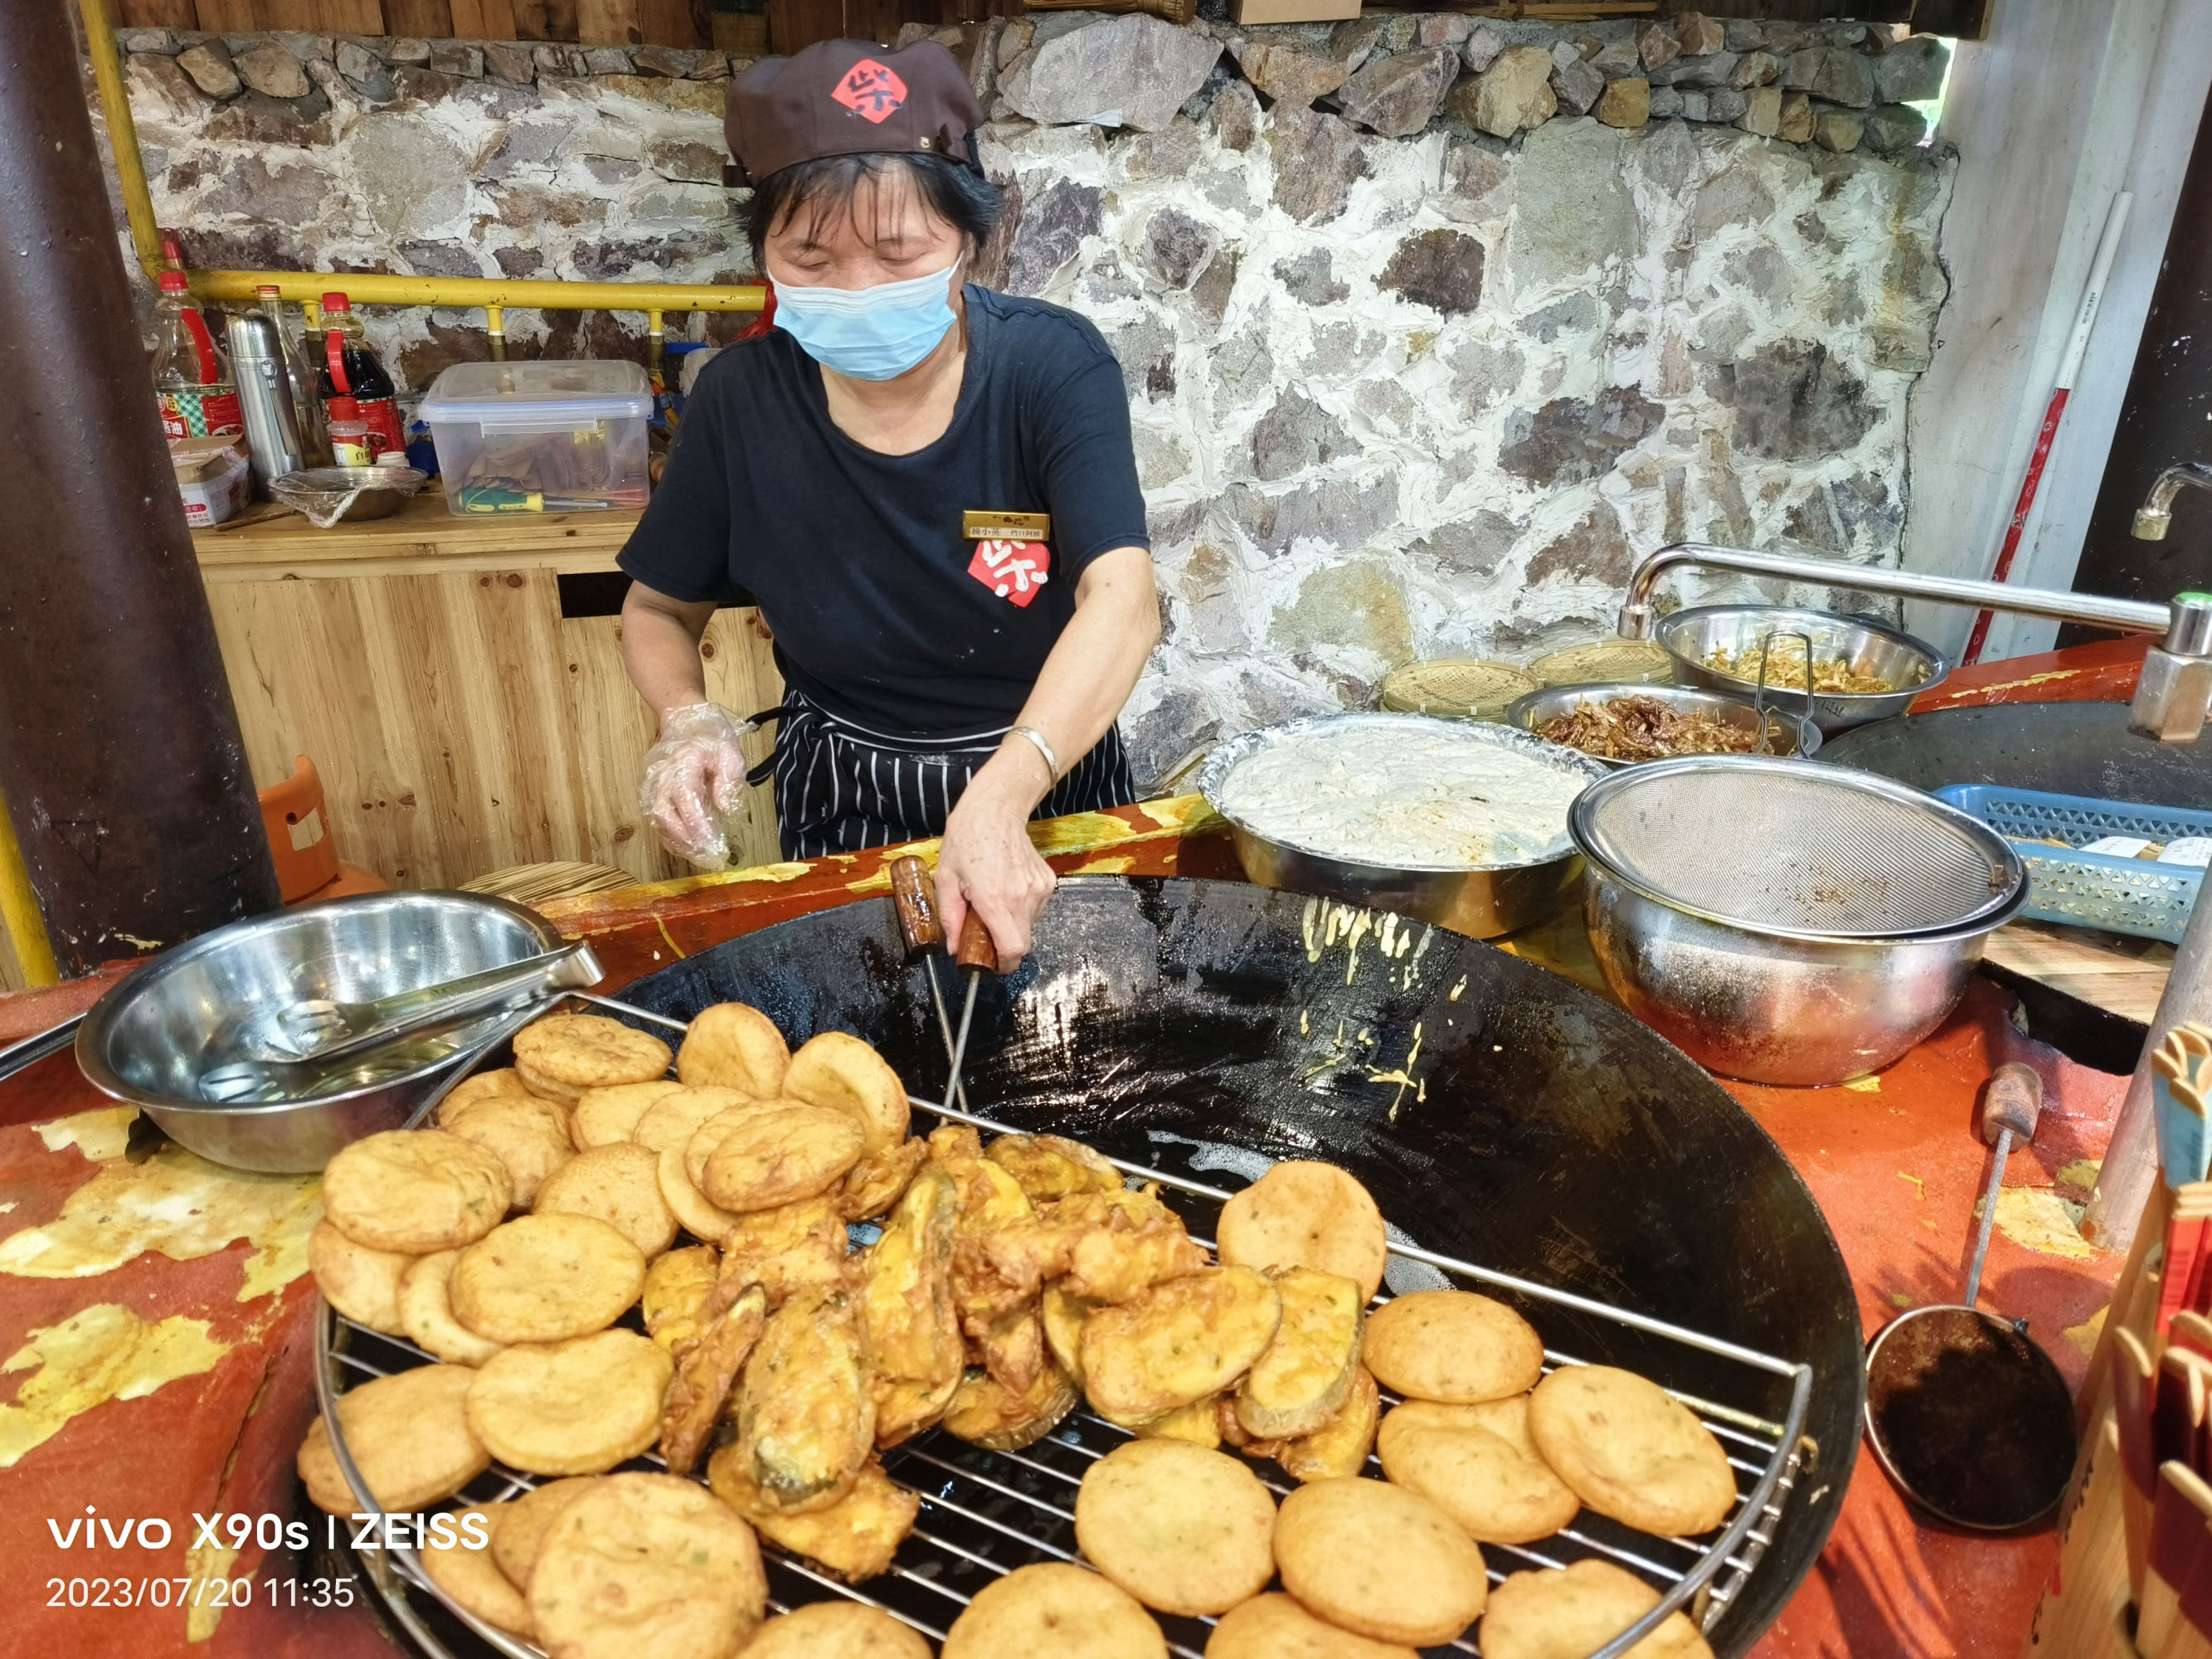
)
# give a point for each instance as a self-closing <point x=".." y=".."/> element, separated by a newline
<point x="1628" y="723"/>
<point x="1863" y="669"/>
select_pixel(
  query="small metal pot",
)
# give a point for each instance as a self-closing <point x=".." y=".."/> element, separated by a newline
<point x="1481" y="901"/>
<point x="1866" y="646"/>
<point x="148" y="1040"/>
<point x="1786" y="733"/>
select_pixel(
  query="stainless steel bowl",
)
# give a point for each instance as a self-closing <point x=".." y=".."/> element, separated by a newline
<point x="1769" y="1002"/>
<point x="1483" y="901"/>
<point x="333" y="495"/>
<point x="148" y="1040"/>
<point x="1786" y="734"/>
<point x="1865" y="646"/>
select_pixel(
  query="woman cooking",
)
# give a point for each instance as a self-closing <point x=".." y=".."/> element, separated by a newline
<point x="929" y="491"/>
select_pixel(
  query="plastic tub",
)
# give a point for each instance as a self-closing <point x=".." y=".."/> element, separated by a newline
<point x="2092" y="889"/>
<point x="540" y="436"/>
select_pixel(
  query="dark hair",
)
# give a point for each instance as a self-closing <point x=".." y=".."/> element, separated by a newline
<point x="955" y="191"/>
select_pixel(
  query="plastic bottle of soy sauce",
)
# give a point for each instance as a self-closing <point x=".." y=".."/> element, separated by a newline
<point x="350" y="369"/>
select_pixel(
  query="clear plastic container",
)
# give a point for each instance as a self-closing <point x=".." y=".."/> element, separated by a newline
<point x="542" y="437"/>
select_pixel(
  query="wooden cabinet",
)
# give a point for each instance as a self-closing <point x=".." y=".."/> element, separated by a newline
<point x="464" y="717"/>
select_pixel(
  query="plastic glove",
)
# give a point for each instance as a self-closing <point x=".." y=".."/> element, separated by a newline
<point x="694" y="788"/>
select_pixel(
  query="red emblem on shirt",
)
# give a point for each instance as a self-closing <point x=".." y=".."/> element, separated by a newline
<point x="870" y="90"/>
<point x="1015" y="571"/>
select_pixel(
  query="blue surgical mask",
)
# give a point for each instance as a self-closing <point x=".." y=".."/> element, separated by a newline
<point x="868" y="333"/>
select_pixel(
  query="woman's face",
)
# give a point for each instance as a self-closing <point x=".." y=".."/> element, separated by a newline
<point x="884" y="232"/>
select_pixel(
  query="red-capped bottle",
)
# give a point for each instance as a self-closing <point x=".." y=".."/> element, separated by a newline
<point x="348" y="434"/>
<point x="350" y="369"/>
<point x="191" y="376"/>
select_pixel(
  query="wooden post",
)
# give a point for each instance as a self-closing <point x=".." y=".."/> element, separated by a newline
<point x="120" y="756"/>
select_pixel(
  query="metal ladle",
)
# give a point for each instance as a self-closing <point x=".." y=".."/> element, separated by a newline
<point x="1970" y="1417"/>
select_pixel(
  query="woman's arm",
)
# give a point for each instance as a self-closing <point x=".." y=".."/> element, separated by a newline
<point x="660" y="647"/>
<point x="987" y="860"/>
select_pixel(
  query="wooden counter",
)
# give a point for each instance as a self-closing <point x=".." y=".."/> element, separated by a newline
<point x="466" y="708"/>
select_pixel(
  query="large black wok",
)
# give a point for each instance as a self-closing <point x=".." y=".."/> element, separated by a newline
<point x="1557" y="1139"/>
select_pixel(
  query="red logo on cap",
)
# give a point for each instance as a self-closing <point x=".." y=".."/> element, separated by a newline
<point x="870" y="90"/>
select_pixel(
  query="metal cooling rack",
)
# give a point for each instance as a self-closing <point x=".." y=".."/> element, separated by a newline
<point x="984" y="1513"/>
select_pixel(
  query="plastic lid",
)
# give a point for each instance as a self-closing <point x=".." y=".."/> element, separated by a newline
<point x="336" y="301"/>
<point x="266" y="289"/>
<point x="345" y="408"/>
<point x="175" y="282"/>
<point x="542" y="393"/>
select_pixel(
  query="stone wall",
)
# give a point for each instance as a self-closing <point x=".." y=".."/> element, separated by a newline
<point x="1418" y="354"/>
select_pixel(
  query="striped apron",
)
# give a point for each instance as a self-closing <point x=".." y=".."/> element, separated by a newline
<point x="843" y="788"/>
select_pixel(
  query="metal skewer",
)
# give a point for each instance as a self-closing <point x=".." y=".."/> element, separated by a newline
<point x="914" y="898"/>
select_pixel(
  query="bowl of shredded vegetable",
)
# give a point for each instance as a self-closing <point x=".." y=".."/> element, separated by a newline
<point x="1629" y="723"/>
<point x="1861" y="669"/>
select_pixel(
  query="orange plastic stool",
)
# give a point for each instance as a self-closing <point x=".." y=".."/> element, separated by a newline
<point x="307" y="862"/>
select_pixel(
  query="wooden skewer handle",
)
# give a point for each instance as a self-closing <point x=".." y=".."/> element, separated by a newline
<point x="914" y="896"/>
<point x="2013" y="1100"/>
<point x="975" y="948"/>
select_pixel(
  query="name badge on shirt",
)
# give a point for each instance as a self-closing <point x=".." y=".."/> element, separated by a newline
<point x="1012" y="557"/>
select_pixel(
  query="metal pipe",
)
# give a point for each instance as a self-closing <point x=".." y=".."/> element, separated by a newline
<point x="2131" y="1165"/>
<point x="476" y="293"/>
<point x="19" y="912"/>
<point x="121" y="133"/>
<point x="2127" y="615"/>
<point x="2156" y="514"/>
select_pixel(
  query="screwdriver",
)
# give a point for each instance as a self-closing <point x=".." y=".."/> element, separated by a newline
<point x="914" y="898"/>
<point x="496" y="498"/>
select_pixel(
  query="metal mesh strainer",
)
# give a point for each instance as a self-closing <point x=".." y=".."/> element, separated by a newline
<point x="1784" y="847"/>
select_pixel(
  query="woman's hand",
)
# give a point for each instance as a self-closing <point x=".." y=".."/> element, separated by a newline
<point x="986" y="860"/>
<point x="693" y="787"/>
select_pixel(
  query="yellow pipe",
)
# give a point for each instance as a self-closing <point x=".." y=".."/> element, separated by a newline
<point x="122" y="133"/>
<point x="19" y="911"/>
<point x="477" y="293"/>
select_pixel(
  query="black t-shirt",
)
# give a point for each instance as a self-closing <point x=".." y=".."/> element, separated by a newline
<point x="883" y="612"/>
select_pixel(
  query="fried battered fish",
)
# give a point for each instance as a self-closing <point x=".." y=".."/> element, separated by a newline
<point x="1103" y="1246"/>
<point x="706" y="1368"/>
<point x="906" y="1296"/>
<point x="879" y="1180"/>
<point x="1178" y="1342"/>
<point x="1306" y="1373"/>
<point x="677" y="1286"/>
<point x="987" y="1413"/>
<point x="852" y="1539"/>
<point x="1051" y="1166"/>
<point x="807" y="1416"/>
<point x="789" y="1250"/>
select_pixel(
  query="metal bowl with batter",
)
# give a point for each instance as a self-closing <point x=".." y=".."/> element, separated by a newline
<point x="1483" y="899"/>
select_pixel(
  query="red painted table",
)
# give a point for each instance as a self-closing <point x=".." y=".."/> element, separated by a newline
<point x="155" y="1337"/>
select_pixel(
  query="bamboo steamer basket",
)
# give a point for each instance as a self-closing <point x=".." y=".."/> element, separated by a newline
<point x="1464" y="688"/>
<point x="1616" y="662"/>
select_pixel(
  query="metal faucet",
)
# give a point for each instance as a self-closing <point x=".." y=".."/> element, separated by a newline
<point x="2156" y="513"/>
<point x="2171" y="699"/>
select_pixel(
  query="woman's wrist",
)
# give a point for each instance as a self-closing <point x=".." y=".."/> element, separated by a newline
<point x="1012" y="781"/>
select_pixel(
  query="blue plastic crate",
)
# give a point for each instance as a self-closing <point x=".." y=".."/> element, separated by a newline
<point x="2092" y="889"/>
